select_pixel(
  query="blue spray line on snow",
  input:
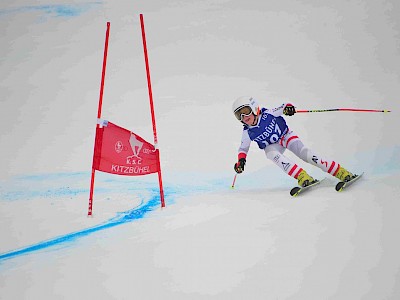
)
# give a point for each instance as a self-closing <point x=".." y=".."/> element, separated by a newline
<point x="26" y="190"/>
<point x="53" y="10"/>
<point x="121" y="218"/>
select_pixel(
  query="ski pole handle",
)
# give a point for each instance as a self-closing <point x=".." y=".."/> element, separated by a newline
<point x="342" y="109"/>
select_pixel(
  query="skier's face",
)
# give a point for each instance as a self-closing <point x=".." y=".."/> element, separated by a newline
<point x="249" y="120"/>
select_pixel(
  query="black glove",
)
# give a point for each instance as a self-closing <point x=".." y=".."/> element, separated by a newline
<point x="289" y="110"/>
<point x="239" y="166"/>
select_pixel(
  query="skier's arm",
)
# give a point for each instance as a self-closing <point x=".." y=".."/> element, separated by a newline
<point x="287" y="109"/>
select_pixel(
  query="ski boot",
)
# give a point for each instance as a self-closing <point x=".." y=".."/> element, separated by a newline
<point x="304" y="179"/>
<point x="344" y="175"/>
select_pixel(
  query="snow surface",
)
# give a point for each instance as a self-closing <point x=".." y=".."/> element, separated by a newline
<point x="211" y="241"/>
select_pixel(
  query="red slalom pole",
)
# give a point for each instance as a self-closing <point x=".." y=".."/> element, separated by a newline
<point x="103" y="74"/>
<point x="342" y="109"/>
<point x="152" y="111"/>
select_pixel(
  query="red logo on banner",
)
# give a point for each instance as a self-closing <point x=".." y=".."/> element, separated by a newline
<point x="120" y="151"/>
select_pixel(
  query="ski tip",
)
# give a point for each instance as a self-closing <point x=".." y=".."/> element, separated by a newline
<point x="294" y="192"/>
<point x="339" y="187"/>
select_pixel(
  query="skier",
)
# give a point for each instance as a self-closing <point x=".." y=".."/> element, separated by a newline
<point x="269" y="130"/>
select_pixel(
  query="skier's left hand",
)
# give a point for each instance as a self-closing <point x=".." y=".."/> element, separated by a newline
<point x="289" y="110"/>
<point x="239" y="166"/>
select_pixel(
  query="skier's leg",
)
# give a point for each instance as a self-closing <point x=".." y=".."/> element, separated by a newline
<point x="292" y="142"/>
<point x="274" y="152"/>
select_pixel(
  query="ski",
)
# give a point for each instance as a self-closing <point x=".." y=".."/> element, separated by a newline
<point x="342" y="185"/>
<point x="297" y="189"/>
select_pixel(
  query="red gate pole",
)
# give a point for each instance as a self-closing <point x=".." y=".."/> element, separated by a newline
<point x="103" y="73"/>
<point x="152" y="111"/>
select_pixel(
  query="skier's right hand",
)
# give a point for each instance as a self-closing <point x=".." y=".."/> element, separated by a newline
<point x="289" y="110"/>
<point x="239" y="166"/>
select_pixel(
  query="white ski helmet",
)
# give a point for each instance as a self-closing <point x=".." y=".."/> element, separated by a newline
<point x="245" y="101"/>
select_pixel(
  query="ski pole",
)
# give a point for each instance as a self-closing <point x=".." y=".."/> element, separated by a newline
<point x="342" y="109"/>
<point x="234" y="180"/>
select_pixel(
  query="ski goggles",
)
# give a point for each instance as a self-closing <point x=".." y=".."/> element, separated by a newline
<point x="243" y="111"/>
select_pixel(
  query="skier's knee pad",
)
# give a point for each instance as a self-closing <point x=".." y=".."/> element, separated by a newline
<point x="298" y="148"/>
<point x="305" y="154"/>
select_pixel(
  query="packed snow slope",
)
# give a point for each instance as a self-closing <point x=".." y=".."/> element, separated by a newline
<point x="211" y="241"/>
